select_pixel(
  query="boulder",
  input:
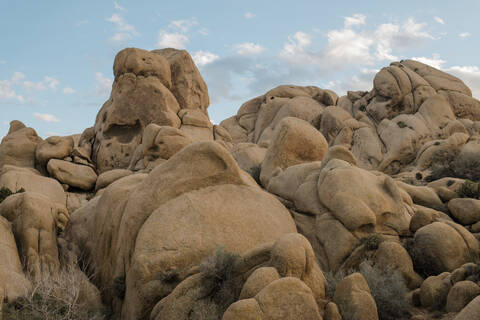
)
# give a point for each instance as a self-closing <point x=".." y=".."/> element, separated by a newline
<point x="353" y="298"/>
<point x="286" y="298"/>
<point x="443" y="246"/>
<point x="15" y="178"/>
<point x="18" y="146"/>
<point x="471" y="311"/>
<point x="35" y="220"/>
<point x="465" y="210"/>
<point x="460" y="295"/>
<point x="72" y="174"/>
<point x="434" y="291"/>
<point x="53" y="148"/>
<point x="107" y="178"/>
<point x="295" y="141"/>
<point x="13" y="283"/>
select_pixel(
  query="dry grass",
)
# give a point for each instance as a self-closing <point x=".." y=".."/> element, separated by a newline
<point x="57" y="297"/>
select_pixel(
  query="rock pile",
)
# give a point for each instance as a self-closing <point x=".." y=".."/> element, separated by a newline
<point x="304" y="205"/>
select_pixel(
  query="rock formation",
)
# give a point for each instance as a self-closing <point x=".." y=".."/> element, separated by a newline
<point x="304" y="205"/>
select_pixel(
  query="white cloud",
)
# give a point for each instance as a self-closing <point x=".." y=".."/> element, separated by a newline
<point x="464" y="35"/>
<point x="7" y="92"/>
<point x="203" y="31"/>
<point x="435" y="61"/>
<point x="249" y="15"/>
<point x="348" y="47"/>
<point x="118" y="7"/>
<point x="249" y="48"/>
<point x="361" y="81"/>
<point x="51" y="82"/>
<point x="37" y="86"/>
<point x="355" y="20"/>
<point x="183" y="24"/>
<point x="104" y="84"/>
<point x="172" y="40"/>
<point x="120" y="36"/>
<point x="390" y="37"/>
<point x="470" y="75"/>
<point x="203" y="58"/>
<point x="296" y="45"/>
<point x="439" y="20"/>
<point x="68" y="90"/>
<point x="45" y="117"/>
<point x="124" y="30"/>
<point x="17" y="76"/>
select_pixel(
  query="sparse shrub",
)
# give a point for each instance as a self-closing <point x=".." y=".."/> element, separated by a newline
<point x="54" y="298"/>
<point x="447" y="163"/>
<point x="219" y="268"/>
<point x="6" y="192"/>
<point x="371" y="242"/>
<point x="469" y="189"/>
<point x="401" y="124"/>
<point x="388" y="288"/>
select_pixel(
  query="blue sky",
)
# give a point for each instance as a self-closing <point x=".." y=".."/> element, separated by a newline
<point x="56" y="57"/>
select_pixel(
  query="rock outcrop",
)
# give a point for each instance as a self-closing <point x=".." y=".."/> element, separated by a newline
<point x="303" y="205"/>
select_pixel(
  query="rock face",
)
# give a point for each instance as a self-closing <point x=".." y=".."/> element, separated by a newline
<point x="304" y="205"/>
<point x="149" y="87"/>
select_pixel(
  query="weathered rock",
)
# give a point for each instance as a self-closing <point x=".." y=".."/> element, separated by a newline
<point x="465" y="210"/>
<point x="470" y="311"/>
<point x="13" y="283"/>
<point x="295" y="141"/>
<point x="434" y="291"/>
<point x="35" y="220"/>
<point x="353" y="298"/>
<point x="286" y="298"/>
<point x="18" y="146"/>
<point x="53" y="148"/>
<point x="460" y="295"/>
<point x="15" y="178"/>
<point x="75" y="175"/>
<point x="443" y="246"/>
<point x="258" y="280"/>
<point x="107" y="178"/>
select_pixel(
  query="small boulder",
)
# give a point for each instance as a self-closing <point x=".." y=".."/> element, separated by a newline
<point x="461" y="294"/>
<point x="465" y="210"/>
<point x="75" y="175"/>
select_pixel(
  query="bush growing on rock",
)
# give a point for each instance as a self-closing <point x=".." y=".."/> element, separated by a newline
<point x="56" y="297"/>
<point x="389" y="290"/>
<point x="5" y="192"/>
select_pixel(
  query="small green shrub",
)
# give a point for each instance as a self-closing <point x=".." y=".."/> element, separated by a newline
<point x="401" y="124"/>
<point x="389" y="291"/>
<point x="371" y="242"/>
<point x="469" y="189"/>
<point x="6" y="192"/>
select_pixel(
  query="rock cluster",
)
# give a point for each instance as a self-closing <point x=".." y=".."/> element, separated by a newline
<point x="304" y="205"/>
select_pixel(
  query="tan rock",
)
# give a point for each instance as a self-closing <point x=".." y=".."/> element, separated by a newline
<point x="15" y="178"/>
<point x="35" y="220"/>
<point x="13" y="283"/>
<point x="286" y="298"/>
<point x="443" y="246"/>
<point x="107" y="178"/>
<point x="332" y="312"/>
<point x="460" y="295"/>
<point x="434" y="291"/>
<point x="470" y="311"/>
<point x="465" y="210"/>
<point x="295" y="141"/>
<point x="53" y="148"/>
<point x="75" y="175"/>
<point x="258" y="280"/>
<point x="353" y="298"/>
<point x="187" y="84"/>
<point x="18" y="147"/>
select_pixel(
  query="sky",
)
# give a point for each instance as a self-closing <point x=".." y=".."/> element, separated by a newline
<point x="56" y="57"/>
